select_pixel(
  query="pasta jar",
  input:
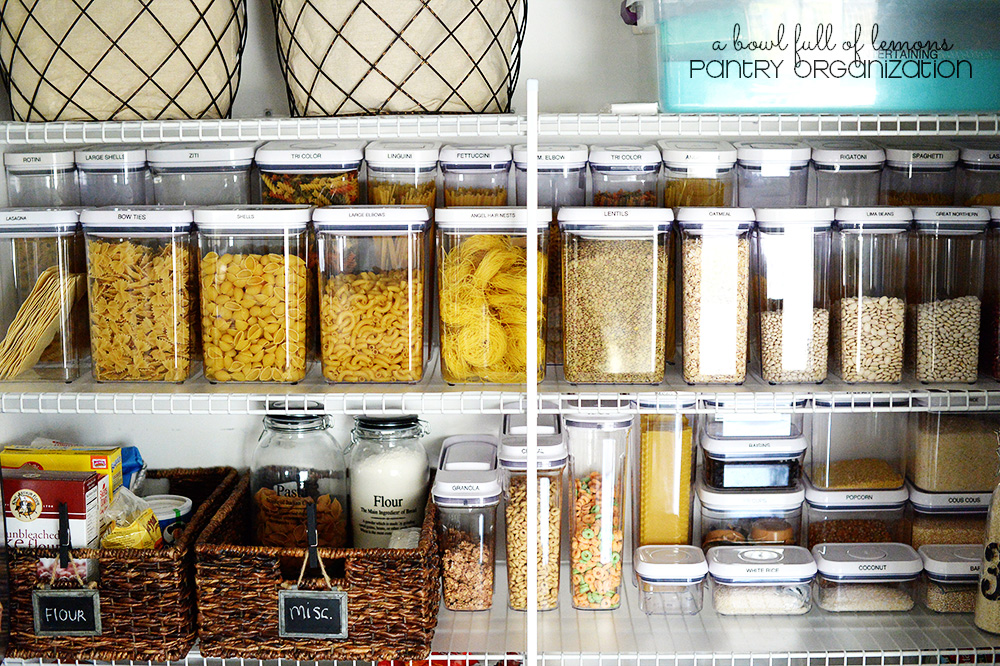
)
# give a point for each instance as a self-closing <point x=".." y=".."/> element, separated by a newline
<point x="855" y="516"/>
<point x="372" y="274"/>
<point x="846" y="172"/>
<point x="957" y="518"/>
<point x="484" y="334"/>
<point x="772" y="174"/>
<point x="751" y="463"/>
<point x="671" y="579"/>
<point x="43" y="324"/>
<point x="715" y="274"/>
<point x="951" y="577"/>
<point x="253" y="292"/>
<point x="978" y="179"/>
<point x="793" y="299"/>
<point x="318" y="173"/>
<point x="868" y="577"/>
<point x="739" y="416"/>
<point x="615" y="275"/>
<point x="598" y="448"/>
<point x="42" y="177"/>
<point x="869" y="295"/>
<point x="113" y="176"/>
<point x="201" y="174"/>
<point x="475" y="175"/>
<point x="401" y="172"/>
<point x="919" y="173"/>
<point x="142" y="291"/>
<point x="953" y="452"/>
<point x="698" y="172"/>
<point x="761" y="580"/>
<point x="466" y="492"/>
<point x="736" y="517"/>
<point x="624" y="176"/>
<point x="946" y="280"/>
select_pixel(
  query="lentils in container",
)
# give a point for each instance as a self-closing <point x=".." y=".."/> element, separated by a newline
<point x="114" y="176"/>
<point x="402" y="173"/>
<point x="201" y="174"/>
<point x="855" y="516"/>
<point x="475" y="175"/>
<point x="978" y="173"/>
<point x="761" y="580"/>
<point x="42" y="177"/>
<point x="948" y="518"/>
<point x="624" y="176"/>
<point x="751" y="463"/>
<point x="919" y="173"/>
<point x="318" y="173"/>
<point x="951" y="577"/>
<point x="772" y="174"/>
<point x="731" y="517"/>
<point x="867" y="577"/>
<point x="953" y="452"/>
<point x="698" y="172"/>
<point x="671" y="579"/>
<point x="846" y="172"/>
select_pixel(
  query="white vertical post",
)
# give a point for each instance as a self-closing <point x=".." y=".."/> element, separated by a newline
<point x="531" y="373"/>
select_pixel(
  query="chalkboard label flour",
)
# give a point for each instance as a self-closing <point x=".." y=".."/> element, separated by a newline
<point x="312" y="614"/>
<point x="67" y="612"/>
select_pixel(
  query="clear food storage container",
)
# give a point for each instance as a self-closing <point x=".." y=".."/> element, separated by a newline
<point x="43" y="324"/>
<point x="372" y="273"/>
<point x="869" y="295"/>
<point x="946" y="283"/>
<point x="42" y="177"/>
<point x="866" y="577"/>
<point x="978" y="173"/>
<point x="318" y="173"/>
<point x="624" y="176"/>
<point x="598" y="448"/>
<point x="990" y="329"/>
<point x="846" y="172"/>
<point x="475" y="175"/>
<point x="737" y="517"/>
<point x="551" y="467"/>
<point x="953" y="452"/>
<point x="858" y="450"/>
<point x="253" y="292"/>
<point x="793" y="302"/>
<point x="201" y="174"/>
<point x="919" y="173"/>
<point x="761" y="580"/>
<point x="402" y="173"/>
<point x="113" y="176"/>
<point x="615" y="275"/>
<point x="752" y="463"/>
<point x="951" y="577"/>
<point x="671" y="579"/>
<point x="467" y="492"/>
<point x="142" y="291"/>
<point x="741" y="416"/>
<point x="948" y="517"/>
<point x="855" y="516"/>
<point x="772" y="174"/>
<point x="484" y="332"/>
<point x="698" y="172"/>
<point x="715" y="276"/>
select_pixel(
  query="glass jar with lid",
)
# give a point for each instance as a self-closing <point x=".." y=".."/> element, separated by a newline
<point x="402" y="172"/>
<point x="475" y="175"/>
<point x="318" y="173"/>
<point x="114" y="176"/>
<point x="919" y="172"/>
<point x="846" y="172"/>
<point x="698" y="172"/>
<point x="201" y="174"/>
<point x="42" y="177"/>
<point x="978" y="173"/>
<point x="624" y="176"/>
<point x="772" y="173"/>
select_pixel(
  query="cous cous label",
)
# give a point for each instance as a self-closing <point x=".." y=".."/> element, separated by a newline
<point x="312" y="613"/>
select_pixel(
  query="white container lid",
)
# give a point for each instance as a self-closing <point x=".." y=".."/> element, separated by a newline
<point x="109" y="157"/>
<point x="554" y="155"/>
<point x="200" y="155"/>
<point x="467" y="473"/>
<point x="251" y="218"/>
<point x="395" y="153"/>
<point x="516" y="424"/>
<point x="370" y="220"/>
<point x="854" y="500"/>
<point x="874" y="219"/>
<point x="757" y="565"/>
<point x="779" y="219"/>
<point x="847" y="154"/>
<point x="708" y="219"/>
<point x="318" y="154"/>
<point x="166" y="507"/>
<point x="952" y="563"/>
<point x="922" y="153"/>
<point x="615" y="222"/>
<point x="951" y="219"/>
<point x="985" y="152"/>
<point x="508" y="219"/>
<point x="670" y="564"/>
<point x="770" y="500"/>
<point x="764" y="151"/>
<point x="139" y="218"/>
<point x="625" y="158"/>
<point x="42" y="220"/>
<point x="598" y="421"/>
<point x="758" y="448"/>
<point x="40" y="158"/>
<point x="867" y="562"/>
<point x="552" y="453"/>
<point x="495" y="157"/>
<point x="948" y="503"/>
<point x="690" y="152"/>
<point x="665" y="403"/>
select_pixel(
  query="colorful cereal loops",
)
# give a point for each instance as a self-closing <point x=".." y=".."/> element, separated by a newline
<point x="596" y="571"/>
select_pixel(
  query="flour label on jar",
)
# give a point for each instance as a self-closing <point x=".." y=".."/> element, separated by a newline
<point x="381" y="515"/>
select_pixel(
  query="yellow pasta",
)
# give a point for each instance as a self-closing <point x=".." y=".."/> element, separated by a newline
<point x="385" y="193"/>
<point x="475" y="196"/>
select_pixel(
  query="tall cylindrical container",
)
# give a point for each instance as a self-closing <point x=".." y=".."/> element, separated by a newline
<point x="846" y="172"/>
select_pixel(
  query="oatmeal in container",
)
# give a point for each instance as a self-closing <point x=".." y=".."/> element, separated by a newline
<point x="761" y="580"/>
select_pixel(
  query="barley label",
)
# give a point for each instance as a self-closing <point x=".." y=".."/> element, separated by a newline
<point x="67" y="612"/>
<point x="312" y="614"/>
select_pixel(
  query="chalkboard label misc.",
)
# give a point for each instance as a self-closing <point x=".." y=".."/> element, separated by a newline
<point x="67" y="612"/>
<point x="312" y="614"/>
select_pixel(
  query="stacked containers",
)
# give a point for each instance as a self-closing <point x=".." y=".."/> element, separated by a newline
<point x="201" y="174"/>
<point x="855" y="516"/>
<point x="113" y="176"/>
<point x="42" y="177"/>
<point x="978" y="174"/>
<point x="624" y="176"/>
<point x="846" y="172"/>
<point x="772" y="174"/>
<point x="752" y="463"/>
<point x="866" y="576"/>
<point x="761" y="580"/>
<point x="948" y="518"/>
<point x="671" y="579"/>
<point x="318" y="173"/>
<point x="475" y="175"/>
<point x="698" y="172"/>
<point x="402" y="173"/>
<point x="42" y="279"/>
<point x="764" y="517"/>
<point x="951" y="577"/>
<point x="919" y="173"/>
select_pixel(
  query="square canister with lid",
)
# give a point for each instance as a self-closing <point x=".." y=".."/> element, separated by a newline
<point x="752" y="463"/>
<point x="114" y="176"/>
<point x="402" y="172"/>
<point x="772" y="173"/>
<point x="955" y="518"/>
<point x="731" y="517"/>
<point x="201" y="174"/>
<point x="869" y="577"/>
<point x="43" y="323"/>
<point x="319" y="173"/>
<point x="855" y="516"/>
<point x="142" y="293"/>
<point x="919" y="172"/>
<point x="254" y="290"/>
<point x="45" y="177"/>
<point x="846" y="172"/>
<point x="761" y="580"/>
<point x="951" y="577"/>
<point x="475" y="175"/>
<point x="698" y="172"/>
<point x="467" y="492"/>
<point x="372" y="275"/>
<point x="953" y="452"/>
<point x="747" y="415"/>
<point x="624" y="176"/>
<point x="978" y="173"/>
<point x="671" y="579"/>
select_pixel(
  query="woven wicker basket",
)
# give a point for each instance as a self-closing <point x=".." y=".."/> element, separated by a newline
<point x="392" y="594"/>
<point x="147" y="596"/>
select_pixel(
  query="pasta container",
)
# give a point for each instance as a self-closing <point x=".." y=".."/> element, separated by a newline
<point x="846" y="172"/>
<point x="254" y="292"/>
<point x="955" y="518"/>
<point x="114" y="176"/>
<point x="624" y="176"/>
<point x="318" y="173"/>
<point x="919" y="173"/>
<point x="739" y="416"/>
<point x="752" y="463"/>
<point x="616" y="264"/>
<point x="42" y="177"/>
<point x="484" y="334"/>
<point x="772" y="174"/>
<point x="750" y="518"/>
<point x="869" y="295"/>
<point x="715" y="278"/>
<point x="402" y="173"/>
<point x="855" y="516"/>
<point x="793" y="296"/>
<point x="761" y="580"/>
<point x="951" y="577"/>
<point x="671" y="579"/>
<point x="858" y="450"/>
<point x="201" y="174"/>
<point x="978" y="179"/>
<point x="43" y="324"/>
<point x="475" y="175"/>
<point x="990" y="330"/>
<point x="372" y="276"/>
<point x="142" y="292"/>
<point x="953" y="452"/>
<point x="868" y="577"/>
<point x="698" y="172"/>
<point x="946" y="285"/>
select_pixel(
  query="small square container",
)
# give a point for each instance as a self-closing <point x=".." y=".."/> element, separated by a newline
<point x="752" y="463"/>
<point x="475" y="175"/>
<point x="318" y="173"/>
<point x="761" y="580"/>
<point x="42" y="177"/>
<point x="855" y="516"/>
<point x="858" y="450"/>
<point x="978" y="173"/>
<point x="43" y="322"/>
<point x="254" y="288"/>
<point x="624" y="176"/>
<point x="114" y="176"/>
<point x="919" y="172"/>
<point x="846" y="172"/>
<point x="868" y="577"/>
<point x="953" y="452"/>
<point x="698" y="172"/>
<point x="772" y="173"/>
<point x="743" y="518"/>
<point x="402" y="172"/>
<point x="671" y="579"/>
<point x="740" y="416"/>
<point x="951" y="577"/>
<point x="955" y="518"/>
<point x="201" y="174"/>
